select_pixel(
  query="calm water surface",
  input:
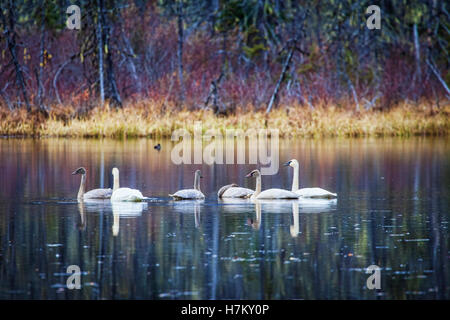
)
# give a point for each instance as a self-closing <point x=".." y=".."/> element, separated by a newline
<point x="393" y="210"/>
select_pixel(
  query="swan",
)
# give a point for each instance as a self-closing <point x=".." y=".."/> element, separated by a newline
<point x="274" y="193"/>
<point x="190" y="194"/>
<point x="124" y="194"/>
<point x="92" y="194"/>
<point x="234" y="191"/>
<point x="318" y="193"/>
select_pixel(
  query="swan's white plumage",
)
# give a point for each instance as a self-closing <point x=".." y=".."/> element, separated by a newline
<point x="276" y="193"/>
<point x="225" y="188"/>
<point x="98" y="194"/>
<point x="124" y="194"/>
<point x="127" y="194"/>
<point x="188" y="194"/>
<point x="273" y="193"/>
<point x="315" y="193"/>
<point x="237" y="192"/>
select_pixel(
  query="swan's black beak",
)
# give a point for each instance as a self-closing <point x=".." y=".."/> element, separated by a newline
<point x="201" y="177"/>
<point x="286" y="164"/>
<point x="248" y="175"/>
<point x="75" y="172"/>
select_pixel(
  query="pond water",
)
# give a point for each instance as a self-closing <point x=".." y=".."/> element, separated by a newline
<point x="393" y="211"/>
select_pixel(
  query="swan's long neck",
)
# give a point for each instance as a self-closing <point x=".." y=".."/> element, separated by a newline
<point x="197" y="182"/>
<point x="258" y="186"/>
<point x="82" y="187"/>
<point x="116" y="184"/>
<point x="295" y="179"/>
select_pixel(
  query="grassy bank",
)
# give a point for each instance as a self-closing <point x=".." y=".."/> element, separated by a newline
<point x="147" y="119"/>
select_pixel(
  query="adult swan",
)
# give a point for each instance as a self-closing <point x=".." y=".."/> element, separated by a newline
<point x="190" y="194"/>
<point x="124" y="194"/>
<point x="274" y="193"/>
<point x="95" y="194"/>
<point x="317" y="193"/>
<point x="234" y="191"/>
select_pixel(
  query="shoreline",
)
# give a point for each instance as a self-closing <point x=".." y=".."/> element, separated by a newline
<point x="140" y="121"/>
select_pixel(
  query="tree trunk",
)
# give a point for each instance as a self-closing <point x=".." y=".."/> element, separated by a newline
<point x="113" y="91"/>
<point x="129" y="57"/>
<point x="180" y="49"/>
<point x="417" y="49"/>
<point x="11" y="42"/>
<point x="280" y="80"/>
<point x="438" y="76"/>
<point x="100" y="51"/>
<point x="41" y="91"/>
<point x="352" y="89"/>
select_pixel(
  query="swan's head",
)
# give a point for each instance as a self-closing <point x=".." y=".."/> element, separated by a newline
<point x="80" y="170"/>
<point x="291" y="163"/>
<point x="115" y="172"/>
<point x="254" y="173"/>
<point x="198" y="173"/>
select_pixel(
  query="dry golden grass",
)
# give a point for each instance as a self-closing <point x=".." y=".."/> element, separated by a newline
<point x="150" y="119"/>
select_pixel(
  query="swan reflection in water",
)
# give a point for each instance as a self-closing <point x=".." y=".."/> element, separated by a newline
<point x="91" y="205"/>
<point x="189" y="206"/>
<point x="309" y="206"/>
<point x="126" y="210"/>
<point x="278" y="206"/>
<point x="291" y="206"/>
<point x="295" y="227"/>
<point x="256" y="224"/>
<point x="82" y="225"/>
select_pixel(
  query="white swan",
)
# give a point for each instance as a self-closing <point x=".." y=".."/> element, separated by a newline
<point x="274" y="193"/>
<point x="190" y="194"/>
<point x="318" y="193"/>
<point x="92" y="194"/>
<point x="124" y="194"/>
<point x="234" y="191"/>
